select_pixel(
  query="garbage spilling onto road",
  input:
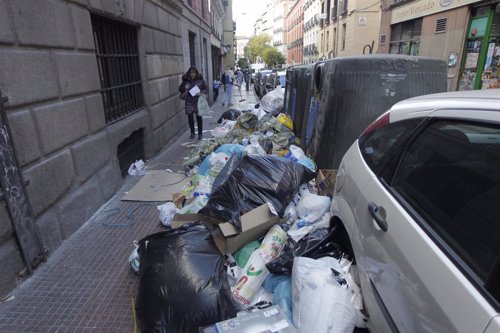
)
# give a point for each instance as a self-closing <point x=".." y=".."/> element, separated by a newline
<point x="250" y="244"/>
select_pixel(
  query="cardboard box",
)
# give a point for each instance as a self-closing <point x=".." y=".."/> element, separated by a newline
<point x="178" y="199"/>
<point x="325" y="180"/>
<point x="271" y="319"/>
<point x="254" y="224"/>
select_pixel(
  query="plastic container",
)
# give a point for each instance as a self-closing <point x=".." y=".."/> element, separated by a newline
<point x="354" y="91"/>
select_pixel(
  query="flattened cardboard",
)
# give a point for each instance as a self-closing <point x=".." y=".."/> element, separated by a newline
<point x="325" y="180"/>
<point x="156" y="185"/>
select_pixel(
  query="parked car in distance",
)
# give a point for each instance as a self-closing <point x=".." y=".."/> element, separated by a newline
<point x="274" y="80"/>
<point x="419" y="196"/>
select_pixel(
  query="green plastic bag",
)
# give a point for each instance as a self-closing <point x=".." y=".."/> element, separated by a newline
<point x="242" y="255"/>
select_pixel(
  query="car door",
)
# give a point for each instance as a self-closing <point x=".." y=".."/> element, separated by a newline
<point x="406" y="249"/>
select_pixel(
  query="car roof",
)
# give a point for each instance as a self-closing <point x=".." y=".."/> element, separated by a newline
<point x="488" y="99"/>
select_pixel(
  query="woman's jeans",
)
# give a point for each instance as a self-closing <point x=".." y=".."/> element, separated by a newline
<point x="228" y="95"/>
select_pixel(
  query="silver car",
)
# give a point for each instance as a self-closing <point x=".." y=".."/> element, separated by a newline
<point x="419" y="196"/>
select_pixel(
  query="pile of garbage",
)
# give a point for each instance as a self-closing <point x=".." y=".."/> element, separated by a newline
<point x="249" y="245"/>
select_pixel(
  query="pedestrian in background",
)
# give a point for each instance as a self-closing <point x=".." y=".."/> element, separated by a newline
<point x="191" y="87"/>
<point x="239" y="77"/>
<point x="217" y="84"/>
<point x="228" y="95"/>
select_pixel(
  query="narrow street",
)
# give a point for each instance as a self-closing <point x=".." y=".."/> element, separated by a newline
<point x="87" y="284"/>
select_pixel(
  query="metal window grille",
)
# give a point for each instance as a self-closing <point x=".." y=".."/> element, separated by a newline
<point x="118" y="63"/>
<point x="130" y="150"/>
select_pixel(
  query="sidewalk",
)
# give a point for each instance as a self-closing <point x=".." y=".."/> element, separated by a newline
<point x="87" y="285"/>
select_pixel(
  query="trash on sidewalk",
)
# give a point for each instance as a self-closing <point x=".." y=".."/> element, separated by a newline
<point x="273" y="102"/>
<point x="133" y="259"/>
<point x="167" y="212"/>
<point x="245" y="183"/>
<point x="255" y="223"/>
<point x="325" y="297"/>
<point x="255" y="272"/>
<point x="230" y="114"/>
<point x="136" y="167"/>
<point x="183" y="283"/>
<point x="326" y="181"/>
<point x="271" y="319"/>
<point x="318" y="243"/>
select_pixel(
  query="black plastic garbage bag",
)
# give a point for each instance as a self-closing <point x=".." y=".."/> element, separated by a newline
<point x="230" y="114"/>
<point x="247" y="182"/>
<point x="183" y="284"/>
<point x="318" y="243"/>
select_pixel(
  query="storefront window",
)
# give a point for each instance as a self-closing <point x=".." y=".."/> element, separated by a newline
<point x="495" y="26"/>
<point x="481" y="66"/>
<point x="405" y="37"/>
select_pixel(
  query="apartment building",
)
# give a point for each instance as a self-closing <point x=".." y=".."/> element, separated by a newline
<point x="464" y="33"/>
<point x="295" y="34"/>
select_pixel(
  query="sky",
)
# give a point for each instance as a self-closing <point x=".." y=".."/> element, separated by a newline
<point x="245" y="13"/>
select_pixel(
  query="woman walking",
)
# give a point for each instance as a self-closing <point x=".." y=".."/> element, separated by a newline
<point x="190" y="80"/>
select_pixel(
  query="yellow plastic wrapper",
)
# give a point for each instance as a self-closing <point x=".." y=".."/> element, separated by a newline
<point x="285" y="120"/>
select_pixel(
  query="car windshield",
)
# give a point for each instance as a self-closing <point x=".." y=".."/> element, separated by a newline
<point x="282" y="80"/>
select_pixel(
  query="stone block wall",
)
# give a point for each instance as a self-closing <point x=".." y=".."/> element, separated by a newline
<point x="65" y="149"/>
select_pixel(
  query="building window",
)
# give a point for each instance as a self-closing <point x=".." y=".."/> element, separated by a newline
<point x="344" y="28"/>
<point x="190" y="3"/>
<point x="405" y="37"/>
<point x="192" y="58"/>
<point x="118" y="63"/>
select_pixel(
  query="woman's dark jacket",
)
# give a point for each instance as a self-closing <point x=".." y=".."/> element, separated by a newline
<point x="191" y="105"/>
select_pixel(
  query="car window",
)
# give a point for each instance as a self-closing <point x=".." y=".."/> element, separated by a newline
<point x="381" y="147"/>
<point x="282" y="80"/>
<point x="450" y="176"/>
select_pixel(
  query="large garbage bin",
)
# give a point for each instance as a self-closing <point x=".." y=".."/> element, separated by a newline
<point x="304" y="92"/>
<point x="311" y="106"/>
<point x="289" y="103"/>
<point x="354" y="91"/>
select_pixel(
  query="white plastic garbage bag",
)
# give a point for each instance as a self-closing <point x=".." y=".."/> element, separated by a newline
<point x="320" y="303"/>
<point x="167" y="212"/>
<point x="312" y="207"/>
<point x="273" y="102"/>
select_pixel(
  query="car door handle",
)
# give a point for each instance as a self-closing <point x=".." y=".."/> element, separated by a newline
<point x="377" y="215"/>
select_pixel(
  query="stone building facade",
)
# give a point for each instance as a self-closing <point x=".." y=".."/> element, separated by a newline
<point x="90" y="86"/>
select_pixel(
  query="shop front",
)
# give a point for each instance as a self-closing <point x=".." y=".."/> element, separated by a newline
<point x="481" y="61"/>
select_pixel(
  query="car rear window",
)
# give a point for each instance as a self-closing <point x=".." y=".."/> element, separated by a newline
<point x="381" y="147"/>
<point x="450" y="175"/>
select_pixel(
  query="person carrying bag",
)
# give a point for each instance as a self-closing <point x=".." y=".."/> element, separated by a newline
<point x="191" y="89"/>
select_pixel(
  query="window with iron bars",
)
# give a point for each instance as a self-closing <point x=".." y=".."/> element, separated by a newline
<point x="118" y="63"/>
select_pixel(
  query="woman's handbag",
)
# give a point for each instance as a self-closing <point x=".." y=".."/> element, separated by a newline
<point x="183" y="95"/>
<point x="203" y="107"/>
